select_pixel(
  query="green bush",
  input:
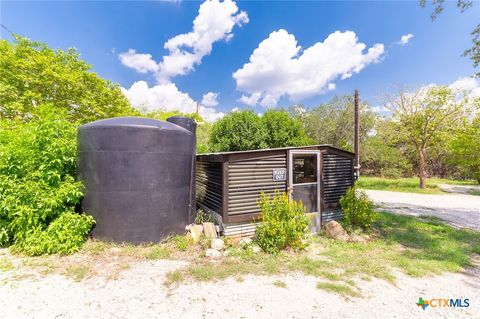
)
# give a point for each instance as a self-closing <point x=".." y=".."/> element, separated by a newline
<point x="357" y="209"/>
<point x="284" y="223"/>
<point x="38" y="192"/>
<point x="203" y="217"/>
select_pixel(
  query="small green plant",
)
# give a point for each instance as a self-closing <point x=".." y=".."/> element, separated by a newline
<point x="181" y="242"/>
<point x="357" y="209"/>
<point x="203" y="217"/>
<point x="77" y="272"/>
<point x="284" y="223"/>
<point x="280" y="284"/>
<point x="157" y="252"/>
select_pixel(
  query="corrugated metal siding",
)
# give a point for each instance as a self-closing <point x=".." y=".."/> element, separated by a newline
<point x="249" y="178"/>
<point x="209" y="183"/>
<point x="337" y="178"/>
<point x="240" y="229"/>
<point x="328" y="215"/>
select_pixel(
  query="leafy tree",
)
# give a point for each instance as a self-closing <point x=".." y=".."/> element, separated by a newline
<point x="422" y="116"/>
<point x="32" y="74"/>
<point x="462" y="5"/>
<point x="333" y="122"/>
<point x="379" y="158"/>
<point x="38" y="192"/>
<point x="284" y="130"/>
<point x="465" y="148"/>
<point x="238" y="131"/>
<point x="245" y="130"/>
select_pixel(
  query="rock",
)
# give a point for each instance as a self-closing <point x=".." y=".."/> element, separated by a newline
<point x="357" y="239"/>
<point x="213" y="253"/>
<point x="334" y="230"/>
<point x="188" y="227"/>
<point x="209" y="230"/>
<point x="255" y="249"/>
<point x="245" y="241"/>
<point x="196" y="232"/>
<point x="217" y="244"/>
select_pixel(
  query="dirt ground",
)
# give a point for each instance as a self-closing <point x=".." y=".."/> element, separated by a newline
<point x="459" y="210"/>
<point x="139" y="292"/>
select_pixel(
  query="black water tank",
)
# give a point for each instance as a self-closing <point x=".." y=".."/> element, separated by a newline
<point x="137" y="175"/>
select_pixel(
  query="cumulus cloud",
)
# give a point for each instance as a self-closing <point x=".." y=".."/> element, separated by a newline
<point x="235" y="109"/>
<point x="469" y="85"/>
<point x="210" y="99"/>
<point x="214" y="22"/>
<point x="168" y="97"/>
<point x="278" y="67"/>
<point x="405" y="39"/>
<point x="141" y="62"/>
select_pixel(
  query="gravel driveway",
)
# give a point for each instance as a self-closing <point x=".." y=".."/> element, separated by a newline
<point x="139" y="293"/>
<point x="459" y="210"/>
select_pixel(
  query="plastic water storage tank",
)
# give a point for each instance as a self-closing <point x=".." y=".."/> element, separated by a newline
<point x="137" y="174"/>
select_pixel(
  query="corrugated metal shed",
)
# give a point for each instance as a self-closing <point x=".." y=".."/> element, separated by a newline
<point x="229" y="184"/>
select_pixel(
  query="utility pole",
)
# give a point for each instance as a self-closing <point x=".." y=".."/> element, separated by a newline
<point x="356" y="163"/>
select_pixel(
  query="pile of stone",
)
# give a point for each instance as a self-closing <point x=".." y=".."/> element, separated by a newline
<point x="210" y="231"/>
<point x="334" y="230"/>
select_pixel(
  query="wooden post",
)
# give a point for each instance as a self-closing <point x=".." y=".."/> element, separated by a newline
<point x="356" y="163"/>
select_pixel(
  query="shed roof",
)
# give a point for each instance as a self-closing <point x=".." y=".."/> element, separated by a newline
<point x="278" y="149"/>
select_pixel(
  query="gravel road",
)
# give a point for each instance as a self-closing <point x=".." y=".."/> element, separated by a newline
<point x="139" y="293"/>
<point x="459" y="210"/>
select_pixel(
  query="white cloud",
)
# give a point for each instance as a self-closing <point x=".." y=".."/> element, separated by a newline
<point x="405" y="39"/>
<point x="235" y="109"/>
<point x="214" y="22"/>
<point x="469" y="85"/>
<point x="278" y="67"/>
<point x="210" y="99"/>
<point x="379" y="109"/>
<point x="166" y="97"/>
<point x="140" y="62"/>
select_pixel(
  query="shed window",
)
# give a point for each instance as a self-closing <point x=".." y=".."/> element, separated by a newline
<point x="304" y="168"/>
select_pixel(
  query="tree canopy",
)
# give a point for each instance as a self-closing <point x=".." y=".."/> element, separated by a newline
<point x="245" y="130"/>
<point x="34" y="74"/>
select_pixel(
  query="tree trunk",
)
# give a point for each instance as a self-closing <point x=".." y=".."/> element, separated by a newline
<point x="421" y="168"/>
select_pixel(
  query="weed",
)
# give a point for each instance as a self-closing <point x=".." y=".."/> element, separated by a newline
<point x="181" y="242"/>
<point x="280" y="284"/>
<point x="174" y="277"/>
<point x="340" y="289"/>
<point x="77" y="272"/>
<point x="6" y="265"/>
<point x="157" y="252"/>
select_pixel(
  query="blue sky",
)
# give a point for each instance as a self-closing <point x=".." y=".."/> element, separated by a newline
<point x="281" y="74"/>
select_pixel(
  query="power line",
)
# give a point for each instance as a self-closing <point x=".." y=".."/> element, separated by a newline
<point x="9" y="31"/>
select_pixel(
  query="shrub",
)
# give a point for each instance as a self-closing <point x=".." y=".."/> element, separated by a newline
<point x="284" y="223"/>
<point x="203" y="217"/>
<point x="38" y="192"/>
<point x="357" y="209"/>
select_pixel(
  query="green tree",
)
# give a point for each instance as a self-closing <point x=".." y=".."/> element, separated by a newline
<point x="32" y="74"/>
<point x="245" y="130"/>
<point x="284" y="129"/>
<point x="238" y="131"/>
<point x="420" y="118"/>
<point x="465" y="149"/>
<point x="333" y="122"/>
